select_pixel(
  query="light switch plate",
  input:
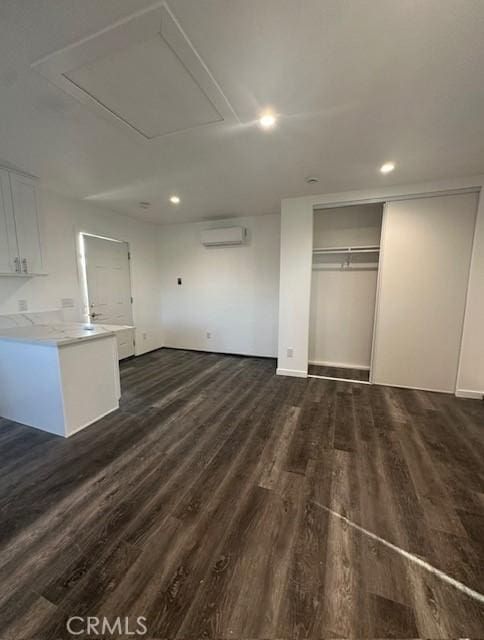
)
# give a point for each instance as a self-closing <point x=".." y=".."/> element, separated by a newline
<point x="23" y="305"/>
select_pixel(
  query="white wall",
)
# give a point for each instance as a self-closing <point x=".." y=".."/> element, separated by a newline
<point x="341" y="318"/>
<point x="295" y="287"/>
<point x="229" y="292"/>
<point x="471" y="372"/>
<point x="343" y="300"/>
<point x="357" y="225"/>
<point x="61" y="218"/>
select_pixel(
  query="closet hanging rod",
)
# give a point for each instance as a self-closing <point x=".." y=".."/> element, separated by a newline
<point x="361" y="249"/>
<point x="345" y="267"/>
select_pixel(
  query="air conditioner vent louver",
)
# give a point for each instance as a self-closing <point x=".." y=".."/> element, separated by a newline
<point x="224" y="236"/>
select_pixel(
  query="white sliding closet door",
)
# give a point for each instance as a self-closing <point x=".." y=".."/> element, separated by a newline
<point x="423" y="279"/>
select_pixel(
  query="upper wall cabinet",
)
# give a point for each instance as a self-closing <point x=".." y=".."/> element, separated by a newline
<point x="20" y="239"/>
<point x="9" y="261"/>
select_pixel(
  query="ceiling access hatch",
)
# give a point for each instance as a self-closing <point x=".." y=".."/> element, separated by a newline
<point x="143" y="74"/>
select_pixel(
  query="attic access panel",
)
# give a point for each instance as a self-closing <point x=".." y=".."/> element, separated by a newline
<point x="141" y="73"/>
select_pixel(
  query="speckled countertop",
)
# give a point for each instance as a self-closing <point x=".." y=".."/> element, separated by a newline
<point x="54" y="334"/>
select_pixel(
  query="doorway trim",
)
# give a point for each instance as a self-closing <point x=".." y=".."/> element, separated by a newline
<point x="352" y="203"/>
<point x="82" y="269"/>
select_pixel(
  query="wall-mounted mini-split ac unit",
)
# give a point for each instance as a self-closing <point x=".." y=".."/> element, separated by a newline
<point x="224" y="236"/>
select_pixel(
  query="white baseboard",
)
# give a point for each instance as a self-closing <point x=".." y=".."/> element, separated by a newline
<point x="311" y="375"/>
<point x="341" y="365"/>
<point x="406" y="386"/>
<point x="295" y="373"/>
<point x="467" y="393"/>
<point x="177" y="347"/>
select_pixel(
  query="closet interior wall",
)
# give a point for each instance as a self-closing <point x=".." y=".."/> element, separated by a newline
<point x="343" y="286"/>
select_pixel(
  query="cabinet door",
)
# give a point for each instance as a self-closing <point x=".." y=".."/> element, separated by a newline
<point x="9" y="256"/>
<point x="25" y="208"/>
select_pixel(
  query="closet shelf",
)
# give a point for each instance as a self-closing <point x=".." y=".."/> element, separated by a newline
<point x="360" y="249"/>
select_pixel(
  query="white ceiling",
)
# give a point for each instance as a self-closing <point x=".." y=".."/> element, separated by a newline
<point x="356" y="83"/>
<point x="171" y="100"/>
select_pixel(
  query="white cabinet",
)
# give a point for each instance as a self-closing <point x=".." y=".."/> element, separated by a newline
<point x="9" y="260"/>
<point x="26" y="215"/>
<point x="20" y="238"/>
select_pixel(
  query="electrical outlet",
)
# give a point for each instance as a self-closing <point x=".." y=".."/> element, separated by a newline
<point x="290" y="352"/>
<point x="209" y="335"/>
<point x="144" y="336"/>
<point x="23" y="305"/>
<point x="67" y="303"/>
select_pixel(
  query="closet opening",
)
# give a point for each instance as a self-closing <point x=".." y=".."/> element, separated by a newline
<point x="346" y="251"/>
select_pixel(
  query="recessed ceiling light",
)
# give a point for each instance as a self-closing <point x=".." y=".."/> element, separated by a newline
<point x="175" y="200"/>
<point x="387" y="167"/>
<point x="267" y="121"/>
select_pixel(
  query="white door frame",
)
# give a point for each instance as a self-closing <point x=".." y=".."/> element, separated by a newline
<point x="353" y="203"/>
<point x="82" y="268"/>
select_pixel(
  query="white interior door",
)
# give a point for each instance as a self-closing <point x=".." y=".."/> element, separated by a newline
<point x="109" y="286"/>
<point x="424" y="270"/>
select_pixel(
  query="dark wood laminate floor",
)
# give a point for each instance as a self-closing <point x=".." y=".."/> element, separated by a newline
<point x="339" y="372"/>
<point x="201" y="504"/>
